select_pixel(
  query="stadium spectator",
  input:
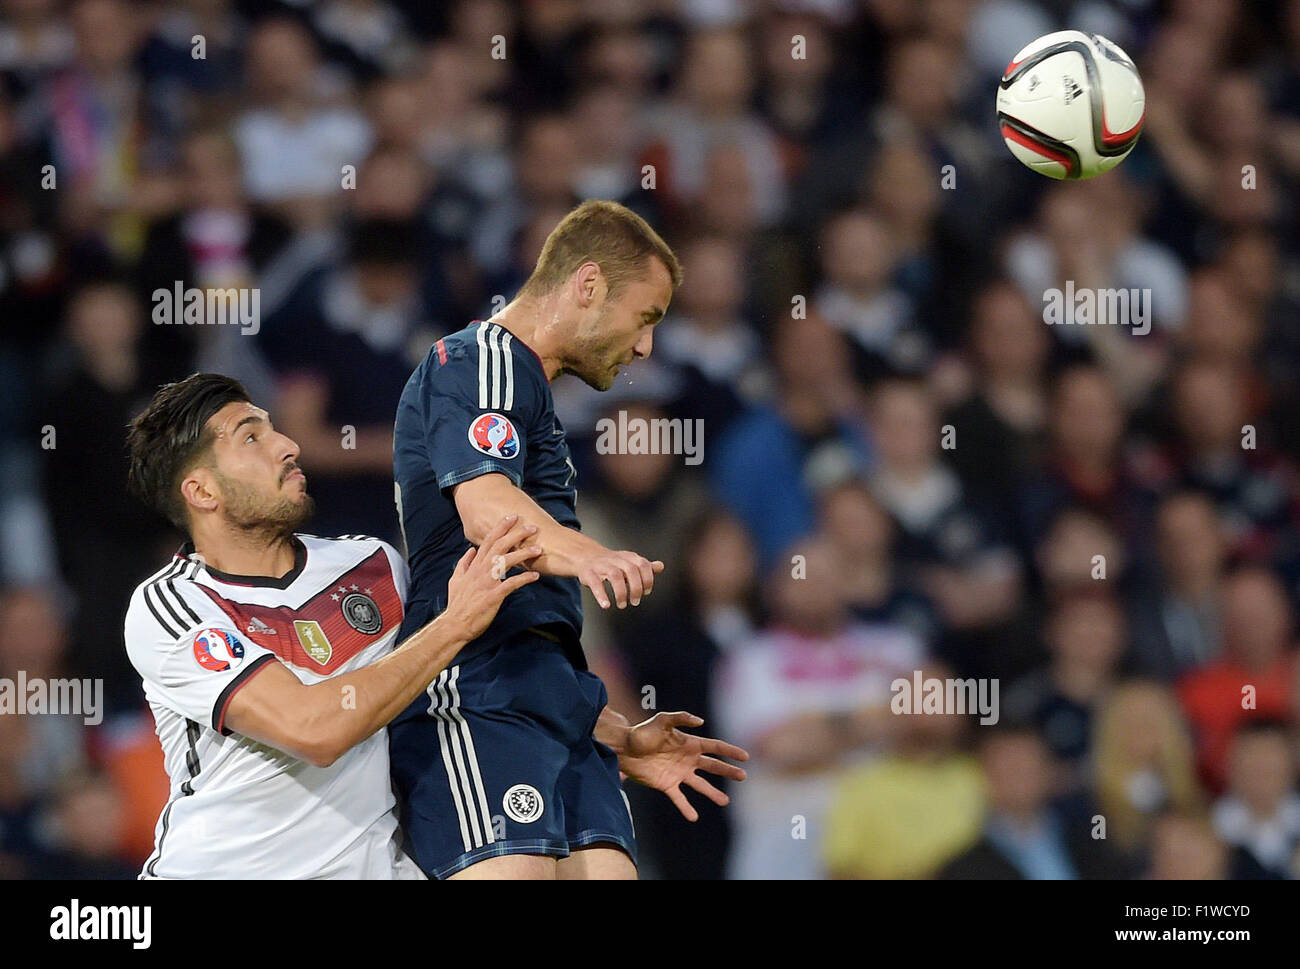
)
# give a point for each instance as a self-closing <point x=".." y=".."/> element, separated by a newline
<point x="1007" y="407"/>
<point x="708" y="339"/>
<point x="766" y="467"/>
<point x="1185" y="848"/>
<point x="912" y="810"/>
<point x="1254" y="488"/>
<point x="85" y="836"/>
<point x="960" y="561"/>
<point x="1253" y="677"/>
<point x="858" y="298"/>
<point x="864" y="537"/>
<point x="295" y="141"/>
<point x="1086" y="637"/>
<point x="104" y="538"/>
<point x="711" y="108"/>
<point x="1259" y="815"/>
<point x="1087" y="463"/>
<point x="1142" y="763"/>
<point x="715" y="612"/>
<point x="1024" y="835"/>
<point x="216" y="239"/>
<point x="1176" y="615"/>
<point x="806" y="697"/>
<point x="363" y="316"/>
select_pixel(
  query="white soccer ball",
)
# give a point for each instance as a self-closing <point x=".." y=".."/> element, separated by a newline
<point x="1071" y="105"/>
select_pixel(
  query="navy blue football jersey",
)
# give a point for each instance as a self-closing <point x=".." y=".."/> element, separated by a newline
<point x="480" y="403"/>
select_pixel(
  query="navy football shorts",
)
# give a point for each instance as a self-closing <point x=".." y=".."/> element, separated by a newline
<point x="498" y="758"/>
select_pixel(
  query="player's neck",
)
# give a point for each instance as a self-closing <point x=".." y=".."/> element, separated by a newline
<point x="247" y="553"/>
<point x="537" y="326"/>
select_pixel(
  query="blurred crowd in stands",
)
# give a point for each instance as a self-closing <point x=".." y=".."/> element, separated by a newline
<point x="904" y="468"/>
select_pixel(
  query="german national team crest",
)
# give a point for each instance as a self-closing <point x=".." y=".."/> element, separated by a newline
<point x="362" y="614"/>
<point x="523" y="802"/>
<point x="494" y="435"/>
<point x="313" y="640"/>
<point x="217" y="651"/>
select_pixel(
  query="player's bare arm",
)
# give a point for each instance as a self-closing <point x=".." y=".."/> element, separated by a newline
<point x="565" y="551"/>
<point x="659" y="754"/>
<point x="313" y="723"/>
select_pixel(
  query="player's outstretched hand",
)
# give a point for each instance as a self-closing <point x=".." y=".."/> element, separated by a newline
<point x="478" y="585"/>
<point x="660" y="755"/>
<point x="631" y="576"/>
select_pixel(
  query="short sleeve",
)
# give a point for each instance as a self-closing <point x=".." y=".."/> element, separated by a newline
<point x="478" y="409"/>
<point x="192" y="659"/>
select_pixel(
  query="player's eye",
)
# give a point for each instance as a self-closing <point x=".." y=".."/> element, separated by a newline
<point x="251" y="437"/>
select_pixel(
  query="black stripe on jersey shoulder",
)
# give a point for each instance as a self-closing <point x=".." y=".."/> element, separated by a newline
<point x="169" y="607"/>
<point x="194" y="616"/>
<point x="162" y="609"/>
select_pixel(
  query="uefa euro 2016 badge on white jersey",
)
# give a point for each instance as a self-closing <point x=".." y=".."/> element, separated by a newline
<point x="494" y="435"/>
<point x="217" y="651"/>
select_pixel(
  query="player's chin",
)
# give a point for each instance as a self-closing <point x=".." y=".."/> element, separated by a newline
<point x="600" y="381"/>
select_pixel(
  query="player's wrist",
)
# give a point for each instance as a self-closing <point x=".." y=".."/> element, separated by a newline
<point x="453" y="630"/>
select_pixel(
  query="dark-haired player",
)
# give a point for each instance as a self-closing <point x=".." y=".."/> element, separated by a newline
<point x="267" y="655"/>
<point x="498" y="770"/>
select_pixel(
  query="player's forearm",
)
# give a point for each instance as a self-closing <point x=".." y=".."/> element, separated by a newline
<point x="487" y="502"/>
<point x="349" y="708"/>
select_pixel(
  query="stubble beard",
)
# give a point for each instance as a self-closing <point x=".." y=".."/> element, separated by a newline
<point x="267" y="519"/>
<point x="589" y="352"/>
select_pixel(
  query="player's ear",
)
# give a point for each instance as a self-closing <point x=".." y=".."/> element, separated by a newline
<point x="588" y="279"/>
<point x="200" y="490"/>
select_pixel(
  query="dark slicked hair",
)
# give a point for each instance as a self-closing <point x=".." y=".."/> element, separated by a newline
<point x="170" y="436"/>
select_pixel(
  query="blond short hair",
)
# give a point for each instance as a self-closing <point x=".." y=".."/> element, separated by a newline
<point x="612" y="236"/>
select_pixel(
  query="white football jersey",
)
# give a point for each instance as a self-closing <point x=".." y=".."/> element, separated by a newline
<point x="238" y="808"/>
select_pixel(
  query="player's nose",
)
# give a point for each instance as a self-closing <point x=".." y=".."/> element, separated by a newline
<point x="289" y="450"/>
<point x="644" y="345"/>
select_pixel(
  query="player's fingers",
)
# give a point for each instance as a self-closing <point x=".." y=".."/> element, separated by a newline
<point x="518" y="582"/>
<point x="723" y="749"/>
<point x="499" y="529"/>
<point x="656" y="566"/>
<point x="698" y="783"/>
<point x="646" y="572"/>
<point x="721" y="768"/>
<point x="618" y="582"/>
<point x="632" y="576"/>
<point x="597" y="586"/>
<point x="465" y="562"/>
<point x="680" y="718"/>
<point x="679" y="800"/>
<point x="518" y="557"/>
<point x="515" y="536"/>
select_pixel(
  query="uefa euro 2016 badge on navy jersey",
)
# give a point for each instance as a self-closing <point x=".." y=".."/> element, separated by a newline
<point x="494" y="435"/>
